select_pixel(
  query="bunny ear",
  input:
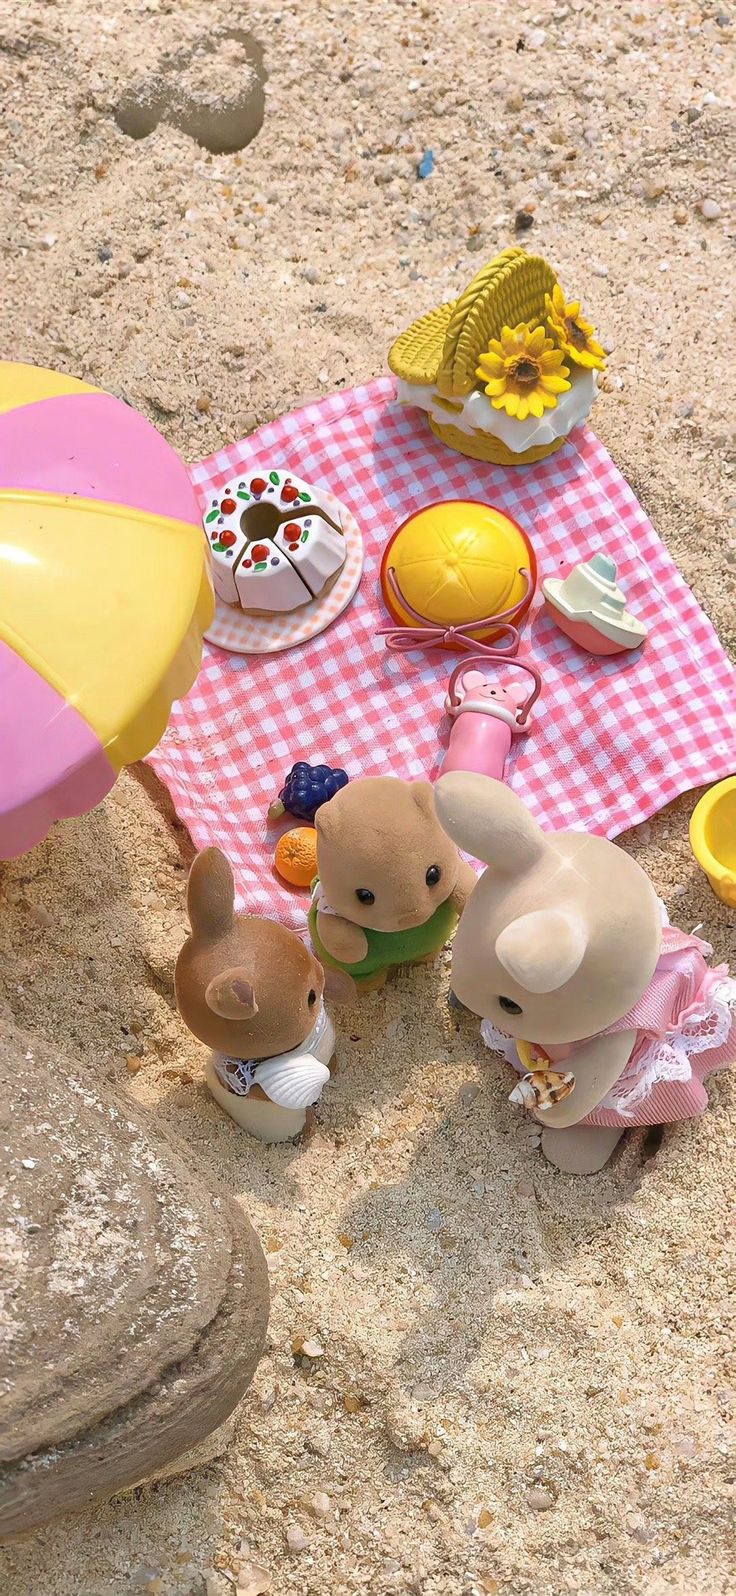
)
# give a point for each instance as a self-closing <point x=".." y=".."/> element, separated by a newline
<point x="231" y="995"/>
<point x="339" y="986"/>
<point x="542" y="950"/>
<point x="423" y="794"/>
<point x="486" y="819"/>
<point x="326" y="823"/>
<point x="210" y="895"/>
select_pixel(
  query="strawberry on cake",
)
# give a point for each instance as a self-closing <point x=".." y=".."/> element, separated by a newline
<point x="276" y="542"/>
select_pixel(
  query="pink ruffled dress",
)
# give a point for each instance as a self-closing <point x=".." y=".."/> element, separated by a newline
<point x="686" y="1029"/>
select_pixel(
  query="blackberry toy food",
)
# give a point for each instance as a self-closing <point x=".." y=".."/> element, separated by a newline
<point x="305" y="789"/>
<point x="276" y="542"/>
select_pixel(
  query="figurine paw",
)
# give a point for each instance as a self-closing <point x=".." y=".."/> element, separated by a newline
<point x="580" y="1149"/>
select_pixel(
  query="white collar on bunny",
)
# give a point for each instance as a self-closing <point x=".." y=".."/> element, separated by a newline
<point x="291" y="1080"/>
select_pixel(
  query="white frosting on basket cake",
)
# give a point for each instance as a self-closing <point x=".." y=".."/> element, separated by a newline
<point x="276" y="542"/>
<point x="475" y="413"/>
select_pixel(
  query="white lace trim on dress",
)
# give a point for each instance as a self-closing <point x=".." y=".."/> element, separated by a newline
<point x="668" y="1057"/>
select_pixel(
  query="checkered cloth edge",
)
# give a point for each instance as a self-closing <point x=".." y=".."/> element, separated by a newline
<point x="612" y="740"/>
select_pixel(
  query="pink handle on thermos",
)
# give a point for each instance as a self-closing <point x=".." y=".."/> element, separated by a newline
<point x="486" y="713"/>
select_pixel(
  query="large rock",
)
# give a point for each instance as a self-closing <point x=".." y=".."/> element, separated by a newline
<point x="135" y="1300"/>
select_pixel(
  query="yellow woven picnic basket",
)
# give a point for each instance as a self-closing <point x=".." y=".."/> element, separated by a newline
<point x="442" y="349"/>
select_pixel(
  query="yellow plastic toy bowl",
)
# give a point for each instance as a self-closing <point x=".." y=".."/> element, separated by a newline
<point x="458" y="562"/>
<point x="713" y="838"/>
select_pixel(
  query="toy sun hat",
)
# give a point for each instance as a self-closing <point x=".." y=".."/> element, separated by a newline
<point x="507" y="370"/>
<point x="459" y="565"/>
<point x="105" y="593"/>
<point x="713" y="838"/>
<point x="590" y="608"/>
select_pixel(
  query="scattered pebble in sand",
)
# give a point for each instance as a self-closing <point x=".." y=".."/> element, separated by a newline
<point x="215" y="1585"/>
<point x="40" y="915"/>
<point x="296" y="1540"/>
<point x="680" y="215"/>
<point x="539" y="1500"/>
<point x="312" y="1349"/>
<point x="147" y="1579"/>
<point x="710" y="209"/>
<point x="252" y="1580"/>
<point x="641" y="1532"/>
<point x="320" y="1504"/>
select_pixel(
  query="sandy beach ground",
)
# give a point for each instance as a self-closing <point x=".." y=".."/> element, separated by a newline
<point x="524" y="1383"/>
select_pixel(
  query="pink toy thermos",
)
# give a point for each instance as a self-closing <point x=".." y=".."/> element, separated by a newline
<point x="486" y="712"/>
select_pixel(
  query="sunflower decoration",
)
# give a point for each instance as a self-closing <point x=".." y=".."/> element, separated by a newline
<point x="506" y="371"/>
<point x="522" y="371"/>
<point x="572" y="333"/>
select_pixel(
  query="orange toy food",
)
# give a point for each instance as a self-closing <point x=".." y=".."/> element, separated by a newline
<point x="296" y="856"/>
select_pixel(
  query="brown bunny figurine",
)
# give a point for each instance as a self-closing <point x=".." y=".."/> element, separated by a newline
<point x="253" y="992"/>
<point x="390" y="883"/>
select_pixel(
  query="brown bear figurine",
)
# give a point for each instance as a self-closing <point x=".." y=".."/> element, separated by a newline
<point x="391" y="884"/>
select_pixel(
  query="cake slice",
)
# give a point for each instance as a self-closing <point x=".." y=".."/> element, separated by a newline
<point x="315" y="549"/>
<point x="266" y="580"/>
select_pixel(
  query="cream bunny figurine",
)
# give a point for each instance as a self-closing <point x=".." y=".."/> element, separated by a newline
<point x="254" y="993"/>
<point x="612" y="1017"/>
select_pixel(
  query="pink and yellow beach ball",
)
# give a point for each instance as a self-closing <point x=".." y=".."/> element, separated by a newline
<point x="105" y="593"/>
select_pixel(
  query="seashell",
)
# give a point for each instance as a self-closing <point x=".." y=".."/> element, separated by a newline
<point x="293" y="1084"/>
<point x="541" y="1089"/>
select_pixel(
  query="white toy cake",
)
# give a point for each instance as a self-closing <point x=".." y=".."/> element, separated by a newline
<point x="276" y="542"/>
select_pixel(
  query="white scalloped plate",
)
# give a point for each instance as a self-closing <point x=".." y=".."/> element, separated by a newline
<point x="269" y="634"/>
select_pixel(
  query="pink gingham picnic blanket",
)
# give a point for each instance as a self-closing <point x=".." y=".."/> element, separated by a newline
<point x="612" y="740"/>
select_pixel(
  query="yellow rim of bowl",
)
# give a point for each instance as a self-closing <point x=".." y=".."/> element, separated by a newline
<point x="698" y="822"/>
